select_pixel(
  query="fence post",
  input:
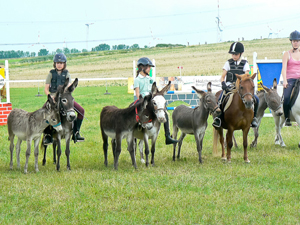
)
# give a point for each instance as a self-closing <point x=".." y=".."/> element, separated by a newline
<point x="7" y="82"/>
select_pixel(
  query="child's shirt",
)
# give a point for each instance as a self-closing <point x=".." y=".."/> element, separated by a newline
<point x="144" y="84"/>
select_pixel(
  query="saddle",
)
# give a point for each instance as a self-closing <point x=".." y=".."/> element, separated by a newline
<point x="295" y="93"/>
<point x="227" y="98"/>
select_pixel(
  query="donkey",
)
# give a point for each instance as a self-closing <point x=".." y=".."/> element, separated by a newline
<point x="28" y="126"/>
<point x="158" y="107"/>
<point x="119" y="124"/>
<point x="65" y="102"/>
<point x="194" y="121"/>
<point x="269" y="98"/>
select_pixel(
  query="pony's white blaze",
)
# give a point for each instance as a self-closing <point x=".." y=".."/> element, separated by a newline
<point x="159" y="103"/>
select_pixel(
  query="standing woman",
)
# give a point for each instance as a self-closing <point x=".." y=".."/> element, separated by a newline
<point x="56" y="77"/>
<point x="142" y="86"/>
<point x="290" y="72"/>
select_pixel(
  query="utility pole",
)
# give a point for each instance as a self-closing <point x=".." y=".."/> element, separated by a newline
<point x="87" y="34"/>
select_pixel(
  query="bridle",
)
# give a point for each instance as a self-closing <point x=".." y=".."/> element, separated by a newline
<point x="248" y="93"/>
<point x="137" y="117"/>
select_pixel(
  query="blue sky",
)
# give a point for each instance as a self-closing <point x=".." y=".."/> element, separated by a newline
<point x="62" y="23"/>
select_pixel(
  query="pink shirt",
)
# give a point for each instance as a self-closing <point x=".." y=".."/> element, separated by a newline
<point x="293" y="68"/>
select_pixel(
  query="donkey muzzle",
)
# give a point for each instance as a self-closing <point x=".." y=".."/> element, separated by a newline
<point x="71" y="116"/>
<point x="57" y="127"/>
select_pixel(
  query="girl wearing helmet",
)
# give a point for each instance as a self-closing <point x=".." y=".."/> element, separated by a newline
<point x="290" y="72"/>
<point x="142" y="86"/>
<point x="56" y="77"/>
<point x="231" y="67"/>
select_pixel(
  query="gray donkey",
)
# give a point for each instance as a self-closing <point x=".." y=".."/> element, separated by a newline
<point x="194" y="121"/>
<point x="28" y="126"/>
<point x="65" y="102"/>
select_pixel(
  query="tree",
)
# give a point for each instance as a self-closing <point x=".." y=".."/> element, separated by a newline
<point x="135" y="46"/>
<point x="74" y="50"/>
<point x="84" y="50"/>
<point x="146" y="46"/>
<point x="32" y="54"/>
<point x="59" y="51"/>
<point x="66" y="51"/>
<point x="101" y="47"/>
<point x="122" y="46"/>
<point x="43" y="52"/>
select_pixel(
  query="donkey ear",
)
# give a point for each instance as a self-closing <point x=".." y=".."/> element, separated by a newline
<point x="253" y="76"/>
<point x="166" y="88"/>
<point x="154" y="88"/>
<point x="265" y="88"/>
<point x="146" y="100"/>
<point x="72" y="87"/>
<point x="274" y="83"/>
<point x="209" y="87"/>
<point x="199" y="92"/>
<point x="49" y="102"/>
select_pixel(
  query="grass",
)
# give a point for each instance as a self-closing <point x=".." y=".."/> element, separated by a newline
<point x="266" y="191"/>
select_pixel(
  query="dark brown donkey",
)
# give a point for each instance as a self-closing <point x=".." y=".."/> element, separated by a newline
<point x="194" y="121"/>
<point x="120" y="123"/>
<point x="238" y="116"/>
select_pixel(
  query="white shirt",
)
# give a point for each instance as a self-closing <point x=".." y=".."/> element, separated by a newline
<point x="227" y="66"/>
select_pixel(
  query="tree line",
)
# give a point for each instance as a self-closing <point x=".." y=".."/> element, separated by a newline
<point x="100" y="47"/>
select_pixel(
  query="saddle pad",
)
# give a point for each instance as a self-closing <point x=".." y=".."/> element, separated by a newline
<point x="294" y="93"/>
<point x="229" y="101"/>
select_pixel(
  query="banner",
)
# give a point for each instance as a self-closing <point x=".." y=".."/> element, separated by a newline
<point x="2" y="77"/>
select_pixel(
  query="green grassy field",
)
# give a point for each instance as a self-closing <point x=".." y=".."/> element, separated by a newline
<point x="266" y="191"/>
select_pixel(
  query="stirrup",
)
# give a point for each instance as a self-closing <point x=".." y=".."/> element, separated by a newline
<point x="215" y="120"/>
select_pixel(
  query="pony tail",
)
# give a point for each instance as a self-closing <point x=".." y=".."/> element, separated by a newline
<point x="139" y="70"/>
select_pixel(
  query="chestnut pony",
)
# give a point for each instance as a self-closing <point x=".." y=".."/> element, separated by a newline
<point x="238" y="116"/>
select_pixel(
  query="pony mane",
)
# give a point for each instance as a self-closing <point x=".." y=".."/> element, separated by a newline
<point x="244" y="77"/>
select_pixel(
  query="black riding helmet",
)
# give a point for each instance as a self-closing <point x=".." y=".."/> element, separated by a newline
<point x="60" y="57"/>
<point x="295" y="35"/>
<point x="145" y="62"/>
<point x="236" y="47"/>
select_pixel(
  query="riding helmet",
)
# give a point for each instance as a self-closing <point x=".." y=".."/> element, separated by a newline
<point x="295" y="35"/>
<point x="60" y="57"/>
<point x="236" y="47"/>
<point x="145" y="62"/>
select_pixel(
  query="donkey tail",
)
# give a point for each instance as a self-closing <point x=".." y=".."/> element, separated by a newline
<point x="215" y="142"/>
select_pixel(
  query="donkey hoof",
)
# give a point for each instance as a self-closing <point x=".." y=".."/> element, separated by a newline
<point x="299" y="145"/>
<point x="224" y="159"/>
<point x="283" y="145"/>
<point x="37" y="170"/>
<point x="143" y="161"/>
<point x="25" y="171"/>
<point x="247" y="161"/>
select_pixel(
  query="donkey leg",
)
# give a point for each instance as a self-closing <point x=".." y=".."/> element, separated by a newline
<point x="45" y="155"/>
<point x="27" y="154"/>
<point x="67" y="152"/>
<point x="11" y="149"/>
<point x="153" y="141"/>
<point x="113" y="147"/>
<point x="54" y="146"/>
<point x="58" y="153"/>
<point x="146" y="148"/>
<point x="174" y="135"/>
<point x="117" y="151"/>
<point x="105" y="147"/>
<point x="141" y="148"/>
<point x="199" y="141"/>
<point x="36" y="154"/>
<point x="256" y="134"/>
<point x="180" y="144"/>
<point x="131" y="150"/>
<point x="18" y="150"/>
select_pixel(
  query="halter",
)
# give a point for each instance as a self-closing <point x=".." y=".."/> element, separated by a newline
<point x="137" y="117"/>
<point x="62" y="109"/>
<point x="281" y="101"/>
<point x="49" y="123"/>
<point x="206" y="107"/>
